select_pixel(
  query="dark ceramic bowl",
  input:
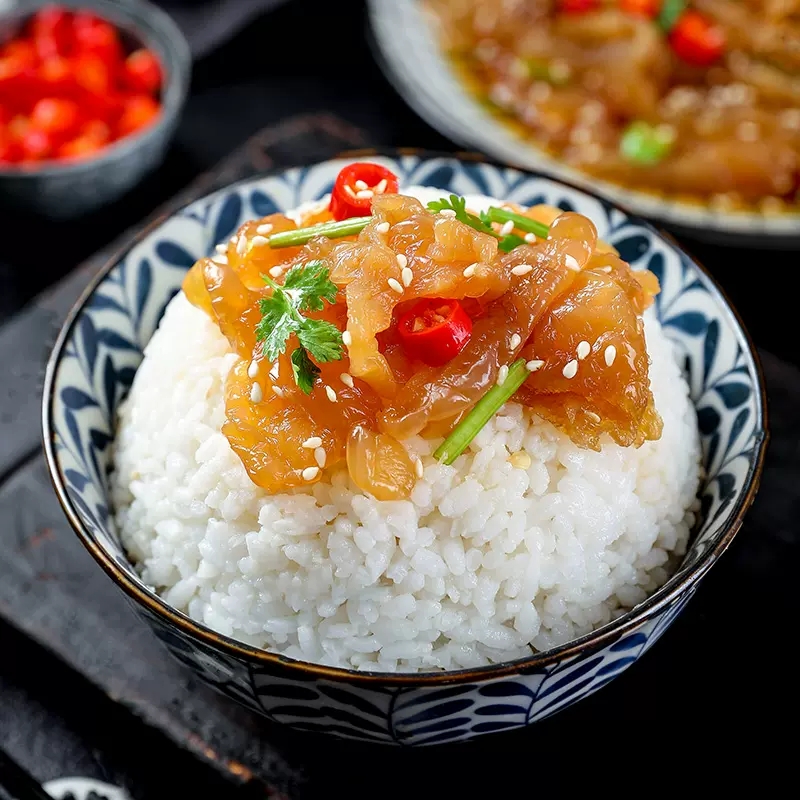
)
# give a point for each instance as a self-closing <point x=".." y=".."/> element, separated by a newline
<point x="65" y="190"/>
<point x="100" y="347"/>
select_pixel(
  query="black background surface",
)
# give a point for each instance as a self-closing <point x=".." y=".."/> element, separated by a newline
<point x="713" y="705"/>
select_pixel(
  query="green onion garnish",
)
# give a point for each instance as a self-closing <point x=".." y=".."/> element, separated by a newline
<point x="469" y="427"/>
<point x="331" y="230"/>
<point x="670" y="11"/>
<point x="521" y="222"/>
<point x="643" y="143"/>
<point x="349" y="227"/>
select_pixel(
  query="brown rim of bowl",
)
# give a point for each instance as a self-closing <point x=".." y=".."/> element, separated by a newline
<point x="676" y="586"/>
<point x="173" y="95"/>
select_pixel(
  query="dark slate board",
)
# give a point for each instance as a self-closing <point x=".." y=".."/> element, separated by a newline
<point x="50" y="588"/>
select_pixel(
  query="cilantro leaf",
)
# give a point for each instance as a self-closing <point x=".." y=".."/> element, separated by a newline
<point x="305" y="371"/>
<point x="322" y="339"/>
<point x="305" y="288"/>
<point x="309" y="284"/>
<point x="277" y="324"/>
<point x="459" y="205"/>
<point x="508" y="243"/>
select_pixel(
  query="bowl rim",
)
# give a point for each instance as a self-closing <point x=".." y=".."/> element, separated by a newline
<point x="498" y="142"/>
<point x="676" y="586"/>
<point x="173" y="95"/>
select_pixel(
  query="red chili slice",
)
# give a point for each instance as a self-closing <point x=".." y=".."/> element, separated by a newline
<point x="641" y="8"/>
<point x="578" y="6"/>
<point x="696" y="40"/>
<point x="434" y="331"/>
<point x="360" y="178"/>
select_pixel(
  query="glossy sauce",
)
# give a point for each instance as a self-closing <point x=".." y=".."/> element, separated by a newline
<point x="539" y="301"/>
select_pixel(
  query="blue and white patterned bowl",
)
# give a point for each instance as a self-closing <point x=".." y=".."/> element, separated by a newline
<point x="100" y="347"/>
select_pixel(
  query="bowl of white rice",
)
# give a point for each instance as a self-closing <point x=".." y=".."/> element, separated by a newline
<point x="508" y="585"/>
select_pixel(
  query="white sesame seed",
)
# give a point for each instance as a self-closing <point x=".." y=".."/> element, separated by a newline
<point x="361" y="185"/>
<point x="256" y="394"/>
<point x="502" y="95"/>
<point x="277" y="391"/>
<point x="347" y="379"/>
<point x="502" y="374"/>
<point x="560" y="71"/>
<point x="506" y="228"/>
<point x="220" y="259"/>
<point x="402" y="260"/>
<point x="241" y="245"/>
<point x="407" y="276"/>
<point x="381" y="187"/>
<point x="534" y="365"/>
<point x="418" y="468"/>
<point x="309" y="473"/>
<point x="580" y="135"/>
<point x="748" y="131"/>
<point x="313" y="443"/>
<point x="252" y="370"/>
<point x="610" y="354"/>
<point x="790" y="119"/>
<point x="771" y="205"/>
<point x="347" y="338"/>
<point x="469" y="271"/>
<point x="274" y="372"/>
<point x="522" y="269"/>
<point x="516" y="341"/>
<point x="530" y="238"/>
<point x="447" y="212"/>
<point x="319" y="456"/>
<point x="331" y="394"/>
<point x="350" y="191"/>
<point x="259" y="241"/>
<point x="571" y="369"/>
<point x="592" y="416"/>
<point x="276" y="272"/>
<point x="570" y="262"/>
<point x="265" y="229"/>
<point x="606" y="269"/>
<point x="364" y="194"/>
<point x="539" y="92"/>
<point x="583" y="350"/>
<point x="382" y="227"/>
<point x="221" y="249"/>
<point x="395" y="285"/>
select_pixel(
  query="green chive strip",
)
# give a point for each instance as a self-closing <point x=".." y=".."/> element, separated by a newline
<point x="670" y="11"/>
<point x="469" y="427"/>
<point x="520" y="222"/>
<point x="331" y="230"/>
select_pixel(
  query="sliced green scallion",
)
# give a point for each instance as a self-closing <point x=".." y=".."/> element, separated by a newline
<point x="469" y="427"/>
<point x="521" y="222"/>
<point x="330" y="230"/>
<point x="670" y="11"/>
<point x="646" y="144"/>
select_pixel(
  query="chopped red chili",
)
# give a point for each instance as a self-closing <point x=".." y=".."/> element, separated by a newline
<point x="355" y="187"/>
<point x="696" y="40"/>
<point x="434" y="331"/>
<point x="577" y="6"/>
<point x="641" y="8"/>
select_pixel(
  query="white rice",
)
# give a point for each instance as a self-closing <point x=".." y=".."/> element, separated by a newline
<point x="486" y="562"/>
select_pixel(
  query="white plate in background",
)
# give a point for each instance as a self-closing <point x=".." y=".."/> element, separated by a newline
<point x="418" y="69"/>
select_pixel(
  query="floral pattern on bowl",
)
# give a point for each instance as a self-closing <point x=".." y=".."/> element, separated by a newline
<point x="100" y="347"/>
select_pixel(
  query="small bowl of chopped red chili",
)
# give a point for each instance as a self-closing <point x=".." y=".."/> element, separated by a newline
<point x="90" y="94"/>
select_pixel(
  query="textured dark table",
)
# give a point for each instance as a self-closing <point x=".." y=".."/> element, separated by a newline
<point x="717" y="691"/>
